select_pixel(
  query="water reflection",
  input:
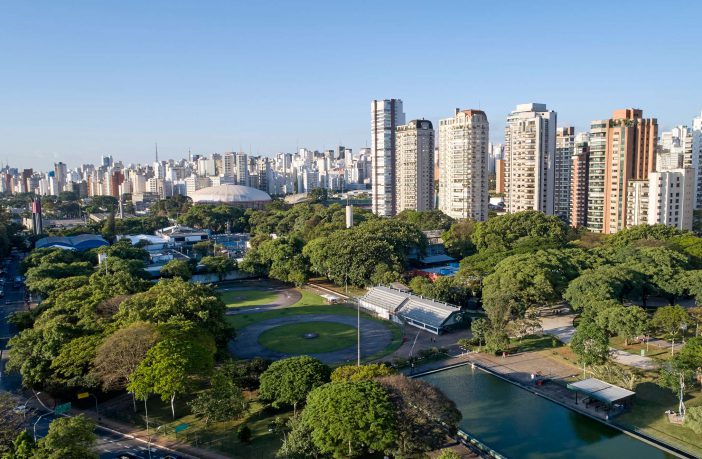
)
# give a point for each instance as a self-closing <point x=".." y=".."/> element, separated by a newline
<point x="519" y="424"/>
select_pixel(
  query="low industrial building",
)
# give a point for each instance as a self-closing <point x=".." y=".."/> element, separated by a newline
<point x="80" y="243"/>
<point x="404" y="307"/>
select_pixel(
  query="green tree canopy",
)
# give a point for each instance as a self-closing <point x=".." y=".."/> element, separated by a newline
<point x="351" y="418"/>
<point x="287" y="382"/>
<point x="170" y="365"/>
<point x="71" y="437"/>
<point x="506" y="232"/>
<point x="426" y="220"/>
<point x="361" y="372"/>
<point x="590" y="344"/>
<point x="177" y="268"/>
<point x="222" y="401"/>
<point x="671" y="320"/>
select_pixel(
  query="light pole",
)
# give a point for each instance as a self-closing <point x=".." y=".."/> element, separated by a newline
<point x="151" y="437"/>
<point x="35" y="425"/>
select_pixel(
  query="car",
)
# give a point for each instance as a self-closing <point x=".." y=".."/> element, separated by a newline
<point x="171" y="456"/>
<point x="126" y="455"/>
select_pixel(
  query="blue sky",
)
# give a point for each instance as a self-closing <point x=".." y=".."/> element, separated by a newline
<point x="79" y="79"/>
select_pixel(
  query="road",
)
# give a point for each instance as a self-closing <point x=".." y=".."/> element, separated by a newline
<point x="109" y="443"/>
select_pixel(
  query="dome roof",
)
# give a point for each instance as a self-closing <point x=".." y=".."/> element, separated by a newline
<point x="229" y="193"/>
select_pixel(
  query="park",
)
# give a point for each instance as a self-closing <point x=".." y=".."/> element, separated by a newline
<point x="275" y="321"/>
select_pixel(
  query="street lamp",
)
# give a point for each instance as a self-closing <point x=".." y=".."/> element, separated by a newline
<point x="35" y="425"/>
<point x="152" y="436"/>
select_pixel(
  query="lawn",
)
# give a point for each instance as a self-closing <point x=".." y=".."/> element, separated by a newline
<point x="311" y="303"/>
<point x="636" y="348"/>
<point x="219" y="436"/>
<point x="248" y="297"/>
<point x="647" y="414"/>
<point x="290" y="338"/>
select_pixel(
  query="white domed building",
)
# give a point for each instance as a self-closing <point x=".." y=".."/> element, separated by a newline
<point x="232" y="195"/>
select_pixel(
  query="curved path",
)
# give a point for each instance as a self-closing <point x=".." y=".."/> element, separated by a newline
<point x="285" y="297"/>
<point x="375" y="337"/>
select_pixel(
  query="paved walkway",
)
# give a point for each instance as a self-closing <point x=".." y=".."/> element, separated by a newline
<point x="375" y="337"/>
<point x="562" y="328"/>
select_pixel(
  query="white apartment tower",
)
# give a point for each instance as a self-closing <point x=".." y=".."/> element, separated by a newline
<point x="671" y="197"/>
<point x="565" y="148"/>
<point x="386" y="115"/>
<point x="242" y="169"/>
<point x="463" y="165"/>
<point x="530" y="149"/>
<point x="414" y="166"/>
<point x="697" y="159"/>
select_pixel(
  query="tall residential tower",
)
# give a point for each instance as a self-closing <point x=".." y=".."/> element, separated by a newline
<point x="386" y="115"/>
<point x="530" y="149"/>
<point x="414" y="166"/>
<point x="463" y="165"/>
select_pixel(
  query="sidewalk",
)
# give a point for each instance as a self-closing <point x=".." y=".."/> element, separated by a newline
<point x="562" y="328"/>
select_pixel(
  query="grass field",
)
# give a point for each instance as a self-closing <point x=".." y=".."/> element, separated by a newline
<point x="248" y="297"/>
<point x="220" y="436"/>
<point x="311" y="303"/>
<point x="289" y="338"/>
<point x="647" y="414"/>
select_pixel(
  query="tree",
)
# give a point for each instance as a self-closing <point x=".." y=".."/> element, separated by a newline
<point x="350" y="418"/>
<point x="426" y="220"/>
<point x="170" y="365"/>
<point x="361" y="372"/>
<point x="121" y="353"/>
<point x="690" y="357"/>
<point x="176" y="268"/>
<point x="126" y="251"/>
<point x="679" y="378"/>
<point x="423" y="415"/>
<point x="606" y="284"/>
<point x="223" y="401"/>
<point x="625" y="321"/>
<point x="696" y="317"/>
<point x="297" y="442"/>
<point x="670" y="320"/>
<point x="243" y="433"/>
<point x="73" y="363"/>
<point x="215" y="217"/>
<point x="590" y="344"/>
<point x="108" y="228"/>
<point x="246" y="373"/>
<point x="457" y="239"/>
<point x="480" y="328"/>
<point x="287" y="382"/>
<point x="279" y="258"/>
<point x="218" y="265"/>
<point x="176" y="299"/>
<point x="507" y="231"/>
<point x="629" y="236"/>
<point x="71" y="437"/>
<point x="22" y="447"/>
<point x="12" y="423"/>
<point x="529" y="280"/>
<point x="496" y="340"/>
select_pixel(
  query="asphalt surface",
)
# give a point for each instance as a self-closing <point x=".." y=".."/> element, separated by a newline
<point x="109" y="444"/>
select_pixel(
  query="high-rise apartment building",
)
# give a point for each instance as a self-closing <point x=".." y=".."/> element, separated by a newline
<point x="414" y="166"/>
<point x="596" y="175"/>
<point x="60" y="172"/>
<point x="565" y="147"/>
<point x="386" y="115"/>
<point x="530" y="148"/>
<point x="579" y="180"/>
<point x="671" y="198"/>
<point x="242" y="169"/>
<point x="229" y="164"/>
<point x="463" y="165"/>
<point x="697" y="159"/>
<point x="630" y="154"/>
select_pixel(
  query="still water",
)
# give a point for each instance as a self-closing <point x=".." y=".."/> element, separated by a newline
<point x="518" y="424"/>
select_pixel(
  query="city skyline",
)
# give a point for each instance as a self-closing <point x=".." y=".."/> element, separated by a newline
<point x="98" y="80"/>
